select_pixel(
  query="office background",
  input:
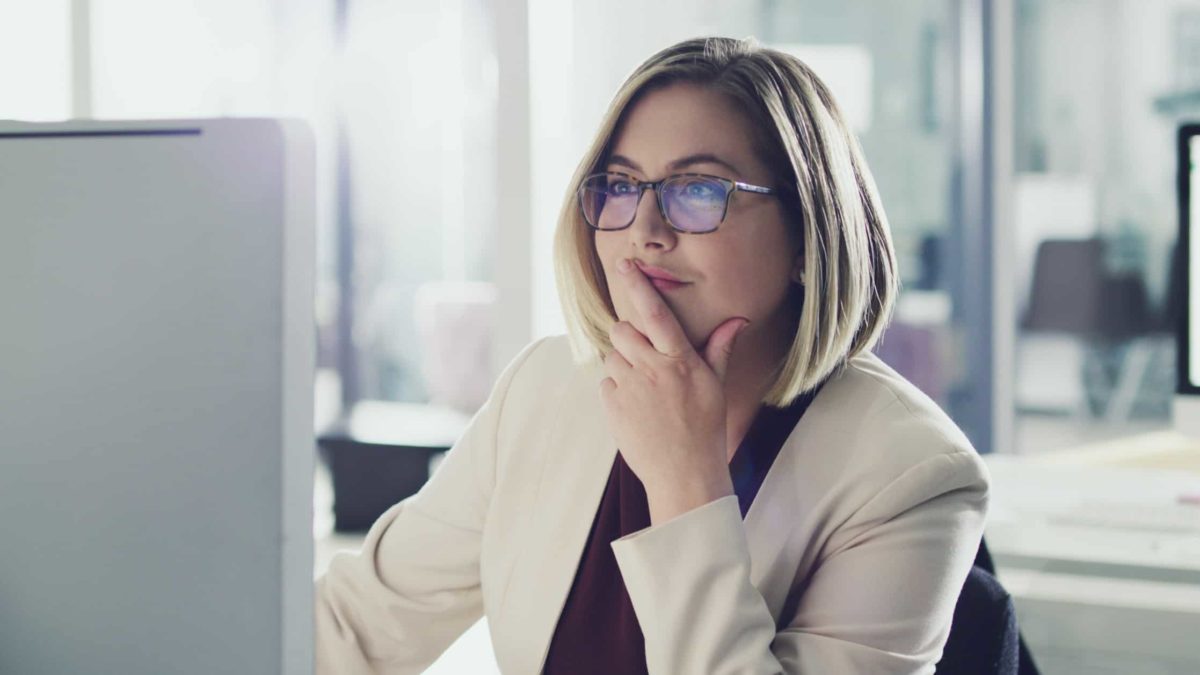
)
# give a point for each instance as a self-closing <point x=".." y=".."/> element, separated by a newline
<point x="1024" y="150"/>
<point x="449" y="132"/>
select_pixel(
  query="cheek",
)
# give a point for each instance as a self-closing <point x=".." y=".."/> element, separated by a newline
<point x="749" y="283"/>
<point x="605" y="247"/>
<point x="605" y="251"/>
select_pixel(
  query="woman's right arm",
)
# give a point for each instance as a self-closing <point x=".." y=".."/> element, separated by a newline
<point x="414" y="587"/>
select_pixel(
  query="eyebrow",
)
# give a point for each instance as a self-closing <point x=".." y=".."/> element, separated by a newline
<point x="698" y="158"/>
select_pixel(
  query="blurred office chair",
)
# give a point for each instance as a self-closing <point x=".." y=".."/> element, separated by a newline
<point x="984" y="638"/>
<point x="1172" y="312"/>
<point x="1073" y="294"/>
<point x="1140" y="338"/>
<point x="1146" y="363"/>
<point x="1065" y="296"/>
<point x="1064" y="302"/>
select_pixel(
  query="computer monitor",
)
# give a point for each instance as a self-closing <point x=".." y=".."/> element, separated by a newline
<point x="1187" y="399"/>
<point x="156" y="366"/>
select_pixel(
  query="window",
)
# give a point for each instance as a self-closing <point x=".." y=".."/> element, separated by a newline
<point x="1094" y="213"/>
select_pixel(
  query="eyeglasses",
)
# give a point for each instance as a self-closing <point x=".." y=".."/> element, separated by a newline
<point x="692" y="203"/>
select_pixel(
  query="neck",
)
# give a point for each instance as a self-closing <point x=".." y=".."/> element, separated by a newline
<point x="752" y="368"/>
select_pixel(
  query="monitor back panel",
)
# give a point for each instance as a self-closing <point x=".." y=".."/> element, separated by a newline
<point x="152" y="408"/>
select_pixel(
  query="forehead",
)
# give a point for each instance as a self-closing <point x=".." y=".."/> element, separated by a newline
<point x="682" y="120"/>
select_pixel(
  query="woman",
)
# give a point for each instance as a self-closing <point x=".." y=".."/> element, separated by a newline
<point x="711" y="473"/>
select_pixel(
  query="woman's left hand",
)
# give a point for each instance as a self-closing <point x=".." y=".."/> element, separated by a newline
<point x="666" y="403"/>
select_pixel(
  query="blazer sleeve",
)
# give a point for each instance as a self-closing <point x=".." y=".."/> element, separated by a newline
<point x="414" y="587"/>
<point x="881" y="602"/>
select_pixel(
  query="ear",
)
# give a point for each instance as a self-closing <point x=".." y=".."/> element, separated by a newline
<point x="798" y="270"/>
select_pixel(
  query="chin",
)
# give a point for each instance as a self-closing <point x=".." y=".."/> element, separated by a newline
<point x="698" y="330"/>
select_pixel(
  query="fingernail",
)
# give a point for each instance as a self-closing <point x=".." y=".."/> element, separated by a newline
<point x="624" y="265"/>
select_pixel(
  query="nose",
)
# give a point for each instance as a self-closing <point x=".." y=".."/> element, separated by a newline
<point x="649" y="230"/>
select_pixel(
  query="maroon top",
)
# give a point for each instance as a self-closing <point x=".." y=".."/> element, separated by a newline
<point x="598" y="631"/>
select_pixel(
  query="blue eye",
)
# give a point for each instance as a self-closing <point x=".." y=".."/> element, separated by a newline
<point x="619" y="187"/>
<point x="699" y="192"/>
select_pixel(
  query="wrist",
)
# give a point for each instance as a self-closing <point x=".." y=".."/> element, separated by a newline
<point x="676" y="498"/>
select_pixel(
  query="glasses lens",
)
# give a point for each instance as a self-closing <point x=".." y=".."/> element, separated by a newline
<point x="695" y="203"/>
<point x="608" y="200"/>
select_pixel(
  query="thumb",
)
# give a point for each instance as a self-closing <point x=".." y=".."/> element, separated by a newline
<point x="720" y="345"/>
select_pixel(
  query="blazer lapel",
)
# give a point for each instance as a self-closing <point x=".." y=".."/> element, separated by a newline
<point x="770" y="526"/>
<point x="777" y="544"/>
<point x="579" y="456"/>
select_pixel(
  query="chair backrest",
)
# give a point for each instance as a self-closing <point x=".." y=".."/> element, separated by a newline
<point x="1065" y="295"/>
<point x="1127" y="312"/>
<point x="1073" y="293"/>
<point x="984" y="638"/>
<point x="1172" y="307"/>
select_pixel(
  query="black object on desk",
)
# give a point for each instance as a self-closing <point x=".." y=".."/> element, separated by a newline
<point x="380" y="452"/>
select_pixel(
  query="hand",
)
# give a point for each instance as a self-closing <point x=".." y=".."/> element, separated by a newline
<point x="666" y="403"/>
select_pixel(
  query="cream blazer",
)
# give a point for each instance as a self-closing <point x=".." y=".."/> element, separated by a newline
<point x="863" y="532"/>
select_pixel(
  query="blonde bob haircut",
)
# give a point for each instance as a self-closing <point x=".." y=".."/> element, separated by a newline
<point x="829" y="197"/>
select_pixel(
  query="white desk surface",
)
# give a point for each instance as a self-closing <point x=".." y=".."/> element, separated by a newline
<point x="1101" y="598"/>
<point x="1037" y="501"/>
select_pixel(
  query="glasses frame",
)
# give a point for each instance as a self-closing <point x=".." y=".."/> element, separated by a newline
<point x="731" y="186"/>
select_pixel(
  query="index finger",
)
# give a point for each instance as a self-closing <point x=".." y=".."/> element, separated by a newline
<point x="661" y="324"/>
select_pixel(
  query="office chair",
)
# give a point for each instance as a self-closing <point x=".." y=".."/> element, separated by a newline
<point x="1073" y="294"/>
<point x="1065" y="294"/>
<point x="984" y="638"/>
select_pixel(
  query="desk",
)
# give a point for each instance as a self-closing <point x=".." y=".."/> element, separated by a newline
<point x="381" y="452"/>
<point x="1094" y="594"/>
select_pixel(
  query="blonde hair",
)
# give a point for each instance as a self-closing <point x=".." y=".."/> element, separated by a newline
<point x="828" y="194"/>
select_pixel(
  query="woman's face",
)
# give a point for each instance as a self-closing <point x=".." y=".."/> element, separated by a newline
<point x="744" y="268"/>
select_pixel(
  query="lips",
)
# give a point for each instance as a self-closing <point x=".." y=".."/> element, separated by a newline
<point x="657" y="272"/>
